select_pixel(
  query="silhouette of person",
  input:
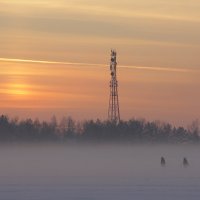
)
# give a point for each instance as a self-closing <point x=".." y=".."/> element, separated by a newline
<point x="185" y="162"/>
<point x="162" y="161"/>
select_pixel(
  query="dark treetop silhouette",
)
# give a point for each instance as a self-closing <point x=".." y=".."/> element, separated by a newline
<point x="98" y="131"/>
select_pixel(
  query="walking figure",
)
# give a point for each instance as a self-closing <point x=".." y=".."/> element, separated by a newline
<point x="162" y="161"/>
<point x="185" y="162"/>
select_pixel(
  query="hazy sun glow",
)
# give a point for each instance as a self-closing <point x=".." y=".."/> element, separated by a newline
<point x="18" y="90"/>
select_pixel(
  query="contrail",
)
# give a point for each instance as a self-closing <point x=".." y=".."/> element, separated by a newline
<point x="96" y="65"/>
<point x="167" y="69"/>
<point x="49" y="62"/>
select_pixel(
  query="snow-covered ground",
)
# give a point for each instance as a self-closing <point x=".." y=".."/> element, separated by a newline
<point x="52" y="172"/>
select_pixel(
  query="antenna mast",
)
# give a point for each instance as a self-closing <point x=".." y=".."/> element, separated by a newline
<point x="113" y="111"/>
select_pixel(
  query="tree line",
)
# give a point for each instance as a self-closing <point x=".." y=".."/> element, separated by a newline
<point x="67" y="129"/>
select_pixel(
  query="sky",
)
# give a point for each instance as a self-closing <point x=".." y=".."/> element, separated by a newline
<point x="55" y="55"/>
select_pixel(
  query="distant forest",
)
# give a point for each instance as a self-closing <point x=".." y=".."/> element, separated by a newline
<point x="132" y="131"/>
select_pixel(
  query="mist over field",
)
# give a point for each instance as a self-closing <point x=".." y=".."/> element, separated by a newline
<point x="89" y="171"/>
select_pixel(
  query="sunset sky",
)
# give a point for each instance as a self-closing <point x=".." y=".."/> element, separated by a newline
<point x="55" y="54"/>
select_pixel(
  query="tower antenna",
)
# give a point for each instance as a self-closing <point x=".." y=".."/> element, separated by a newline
<point x="113" y="110"/>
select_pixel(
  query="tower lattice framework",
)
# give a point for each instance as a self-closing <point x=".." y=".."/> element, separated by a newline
<point x="113" y="111"/>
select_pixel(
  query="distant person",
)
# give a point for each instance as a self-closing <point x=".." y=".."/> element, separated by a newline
<point x="162" y="161"/>
<point x="185" y="162"/>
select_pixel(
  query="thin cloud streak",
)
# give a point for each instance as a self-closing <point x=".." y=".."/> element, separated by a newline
<point x="130" y="14"/>
<point x="49" y="62"/>
<point x="97" y="65"/>
<point x="105" y="11"/>
<point x="157" y="68"/>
